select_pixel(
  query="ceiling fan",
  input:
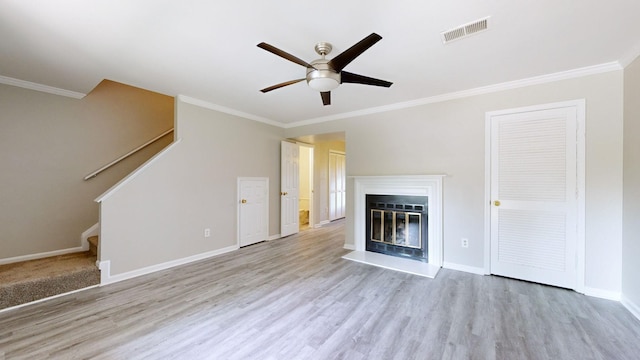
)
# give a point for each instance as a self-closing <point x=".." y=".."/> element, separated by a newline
<point x="324" y="75"/>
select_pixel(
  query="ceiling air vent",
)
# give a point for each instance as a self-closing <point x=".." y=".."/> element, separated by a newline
<point x="465" y="30"/>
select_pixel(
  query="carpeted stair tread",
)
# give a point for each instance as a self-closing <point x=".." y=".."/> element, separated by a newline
<point x="36" y="279"/>
<point x="93" y="244"/>
<point x="93" y="240"/>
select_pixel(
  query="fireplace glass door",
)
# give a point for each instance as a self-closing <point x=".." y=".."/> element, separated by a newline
<point x="397" y="225"/>
<point x="397" y="228"/>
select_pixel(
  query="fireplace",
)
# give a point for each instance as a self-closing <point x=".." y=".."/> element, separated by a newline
<point x="397" y="225"/>
<point x="428" y="187"/>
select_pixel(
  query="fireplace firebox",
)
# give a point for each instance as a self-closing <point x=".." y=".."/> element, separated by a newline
<point x="397" y="225"/>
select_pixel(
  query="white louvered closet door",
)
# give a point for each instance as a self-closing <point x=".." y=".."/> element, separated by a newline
<point x="533" y="196"/>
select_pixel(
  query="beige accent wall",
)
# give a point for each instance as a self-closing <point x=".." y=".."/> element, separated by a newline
<point x="48" y="143"/>
<point x="159" y="215"/>
<point x="631" y="219"/>
<point x="448" y="138"/>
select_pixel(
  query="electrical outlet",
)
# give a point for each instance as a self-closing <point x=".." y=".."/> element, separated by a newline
<point x="207" y="232"/>
<point x="465" y="243"/>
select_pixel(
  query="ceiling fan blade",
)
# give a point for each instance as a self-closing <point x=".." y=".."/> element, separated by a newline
<point x="278" y="86"/>
<point x="286" y="55"/>
<point x="347" y="77"/>
<point x="339" y="62"/>
<point x="326" y="97"/>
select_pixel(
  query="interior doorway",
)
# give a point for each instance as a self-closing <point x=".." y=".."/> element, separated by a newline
<point x="320" y="146"/>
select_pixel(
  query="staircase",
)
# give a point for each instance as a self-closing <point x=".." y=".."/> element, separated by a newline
<point x="32" y="280"/>
<point x="93" y="245"/>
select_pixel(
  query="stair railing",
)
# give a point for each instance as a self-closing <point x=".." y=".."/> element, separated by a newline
<point x="105" y="167"/>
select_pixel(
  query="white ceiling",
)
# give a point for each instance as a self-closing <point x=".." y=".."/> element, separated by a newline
<point x="207" y="50"/>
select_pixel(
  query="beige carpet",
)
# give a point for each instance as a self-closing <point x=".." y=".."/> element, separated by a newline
<point x="32" y="280"/>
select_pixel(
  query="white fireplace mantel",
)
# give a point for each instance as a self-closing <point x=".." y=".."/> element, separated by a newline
<point x="415" y="185"/>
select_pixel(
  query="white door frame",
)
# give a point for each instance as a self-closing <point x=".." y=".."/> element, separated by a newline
<point x="580" y="168"/>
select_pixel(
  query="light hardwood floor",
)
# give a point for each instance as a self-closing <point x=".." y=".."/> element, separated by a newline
<point x="295" y="298"/>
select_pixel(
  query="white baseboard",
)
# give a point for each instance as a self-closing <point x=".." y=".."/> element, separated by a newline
<point x="40" y="255"/>
<point x="602" y="294"/>
<point x="94" y="230"/>
<point x="105" y="271"/>
<point x="465" y="268"/>
<point x="274" y="237"/>
<point x="322" y="223"/>
<point x="631" y="306"/>
<point x="107" y="278"/>
<point x="351" y="247"/>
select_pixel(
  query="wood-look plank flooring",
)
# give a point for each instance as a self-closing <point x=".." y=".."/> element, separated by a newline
<point x="295" y="298"/>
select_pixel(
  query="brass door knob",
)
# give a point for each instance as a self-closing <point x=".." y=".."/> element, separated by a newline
<point x="496" y="203"/>
<point x="244" y="201"/>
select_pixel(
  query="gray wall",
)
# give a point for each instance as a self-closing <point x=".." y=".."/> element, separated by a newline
<point x="448" y="138"/>
<point x="48" y="143"/>
<point x="158" y="215"/>
<point x="631" y="220"/>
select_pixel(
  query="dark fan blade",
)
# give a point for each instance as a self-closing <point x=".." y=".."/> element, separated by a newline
<point x="339" y="62"/>
<point x="326" y="97"/>
<point x="286" y="55"/>
<point x="278" y="86"/>
<point x="347" y="77"/>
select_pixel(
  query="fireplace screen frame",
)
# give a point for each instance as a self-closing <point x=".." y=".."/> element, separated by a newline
<point x="382" y="227"/>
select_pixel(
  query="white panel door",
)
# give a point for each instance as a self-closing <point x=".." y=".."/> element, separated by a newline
<point x="289" y="188"/>
<point x="253" y="218"/>
<point x="534" y="205"/>
<point x="337" y="185"/>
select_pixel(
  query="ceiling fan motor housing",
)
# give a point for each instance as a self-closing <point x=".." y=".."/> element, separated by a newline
<point x="322" y="77"/>
<point x="323" y="48"/>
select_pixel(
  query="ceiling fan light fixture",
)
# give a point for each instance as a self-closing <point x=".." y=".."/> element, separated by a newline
<point x="321" y="78"/>
<point x="323" y="84"/>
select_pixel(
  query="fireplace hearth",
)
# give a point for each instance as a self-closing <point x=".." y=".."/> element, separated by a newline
<point x="397" y="225"/>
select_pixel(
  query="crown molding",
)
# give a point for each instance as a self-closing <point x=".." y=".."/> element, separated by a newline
<point x="226" y="110"/>
<point x="40" y="87"/>
<point x="630" y="56"/>
<point x="543" y="79"/>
